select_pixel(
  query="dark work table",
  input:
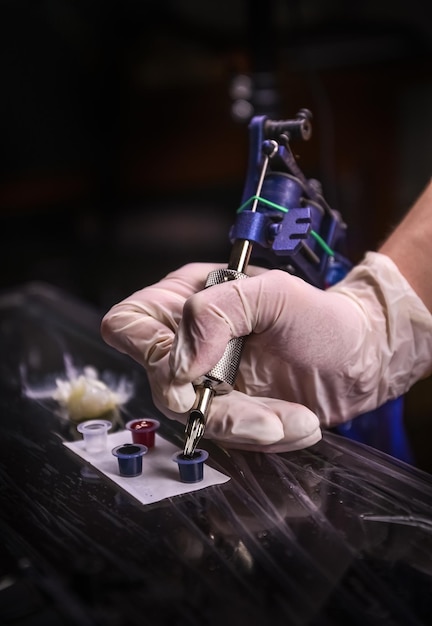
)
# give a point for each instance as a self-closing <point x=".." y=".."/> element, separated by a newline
<point x="338" y="534"/>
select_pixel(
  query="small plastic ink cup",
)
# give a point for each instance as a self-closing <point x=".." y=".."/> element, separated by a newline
<point x="191" y="469"/>
<point x="143" y="431"/>
<point x="95" y="434"/>
<point x="129" y="457"/>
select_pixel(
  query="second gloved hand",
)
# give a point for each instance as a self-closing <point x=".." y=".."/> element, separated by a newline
<point x="312" y="358"/>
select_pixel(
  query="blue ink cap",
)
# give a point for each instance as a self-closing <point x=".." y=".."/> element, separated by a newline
<point x="191" y="469"/>
<point x="129" y="456"/>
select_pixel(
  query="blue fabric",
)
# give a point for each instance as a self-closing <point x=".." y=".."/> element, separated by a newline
<point x="383" y="429"/>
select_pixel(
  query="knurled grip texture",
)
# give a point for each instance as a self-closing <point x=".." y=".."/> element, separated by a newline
<point x="224" y="373"/>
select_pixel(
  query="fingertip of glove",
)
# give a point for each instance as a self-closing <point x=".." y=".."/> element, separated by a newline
<point x="300" y="424"/>
<point x="306" y="441"/>
<point x="180" y="398"/>
<point x="270" y="425"/>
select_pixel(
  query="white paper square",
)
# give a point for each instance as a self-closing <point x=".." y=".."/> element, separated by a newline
<point x="160" y="475"/>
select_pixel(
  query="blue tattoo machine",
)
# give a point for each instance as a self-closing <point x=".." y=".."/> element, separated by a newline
<point x="283" y="222"/>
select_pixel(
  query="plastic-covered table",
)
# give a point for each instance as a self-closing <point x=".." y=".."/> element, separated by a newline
<point x="338" y="534"/>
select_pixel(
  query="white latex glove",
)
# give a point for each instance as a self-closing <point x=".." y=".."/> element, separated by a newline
<point x="335" y="354"/>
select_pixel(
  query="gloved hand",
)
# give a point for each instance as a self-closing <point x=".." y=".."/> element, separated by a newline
<point x="312" y="358"/>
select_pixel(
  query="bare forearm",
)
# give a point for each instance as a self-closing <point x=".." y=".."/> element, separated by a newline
<point x="410" y="246"/>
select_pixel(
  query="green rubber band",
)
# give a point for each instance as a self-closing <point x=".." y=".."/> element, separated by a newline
<point x="264" y="201"/>
<point x="322" y="243"/>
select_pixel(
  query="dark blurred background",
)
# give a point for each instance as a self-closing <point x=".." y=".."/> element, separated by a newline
<point x="123" y="128"/>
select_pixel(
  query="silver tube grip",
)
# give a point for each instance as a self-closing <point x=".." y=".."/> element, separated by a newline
<point x="222" y="376"/>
